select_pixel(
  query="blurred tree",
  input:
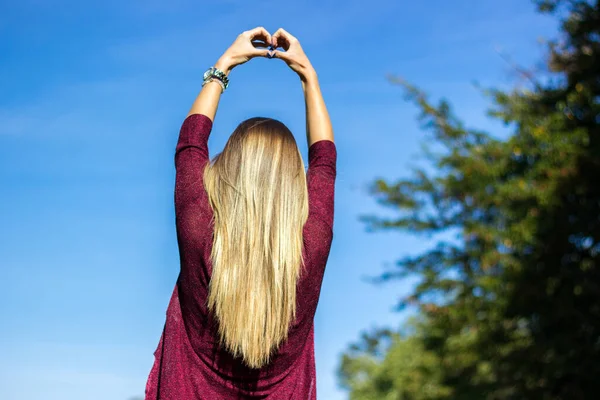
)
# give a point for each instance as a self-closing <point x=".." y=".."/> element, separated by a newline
<point x="512" y="309"/>
<point x="392" y="365"/>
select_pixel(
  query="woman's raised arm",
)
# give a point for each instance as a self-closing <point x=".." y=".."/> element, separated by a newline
<point x="247" y="45"/>
<point x="191" y="152"/>
<point x="318" y="123"/>
<point x="322" y="153"/>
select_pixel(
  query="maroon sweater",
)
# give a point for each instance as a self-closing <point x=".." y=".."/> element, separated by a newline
<point x="189" y="364"/>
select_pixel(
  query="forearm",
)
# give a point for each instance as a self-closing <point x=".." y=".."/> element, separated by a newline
<point x="318" y="123"/>
<point x="207" y="101"/>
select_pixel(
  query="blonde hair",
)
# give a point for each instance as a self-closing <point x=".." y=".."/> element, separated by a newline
<point x="257" y="190"/>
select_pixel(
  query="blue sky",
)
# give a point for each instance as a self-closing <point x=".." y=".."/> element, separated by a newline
<point x="92" y="95"/>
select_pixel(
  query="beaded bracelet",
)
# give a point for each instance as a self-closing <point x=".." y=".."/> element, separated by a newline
<point x="210" y="79"/>
<point x="215" y="73"/>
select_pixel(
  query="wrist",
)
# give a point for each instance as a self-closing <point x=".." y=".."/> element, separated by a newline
<point x="309" y="79"/>
<point x="224" y="65"/>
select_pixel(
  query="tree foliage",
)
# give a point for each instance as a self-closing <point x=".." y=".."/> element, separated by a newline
<point x="511" y="310"/>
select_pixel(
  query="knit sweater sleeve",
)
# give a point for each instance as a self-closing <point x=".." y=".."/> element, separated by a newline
<point x="191" y="156"/>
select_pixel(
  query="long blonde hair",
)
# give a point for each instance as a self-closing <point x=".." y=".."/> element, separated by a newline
<point x="257" y="190"/>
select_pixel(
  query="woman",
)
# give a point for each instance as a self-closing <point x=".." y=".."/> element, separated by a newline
<point x="254" y="233"/>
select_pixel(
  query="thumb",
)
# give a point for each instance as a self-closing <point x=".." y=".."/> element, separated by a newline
<point x="280" y="54"/>
<point x="260" y="53"/>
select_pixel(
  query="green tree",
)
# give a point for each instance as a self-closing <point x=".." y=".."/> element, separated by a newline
<point x="511" y="311"/>
<point x="392" y="365"/>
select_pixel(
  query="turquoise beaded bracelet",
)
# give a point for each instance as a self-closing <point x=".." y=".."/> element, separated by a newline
<point x="215" y="73"/>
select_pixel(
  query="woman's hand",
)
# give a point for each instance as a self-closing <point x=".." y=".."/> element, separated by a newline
<point x="293" y="55"/>
<point x="249" y="44"/>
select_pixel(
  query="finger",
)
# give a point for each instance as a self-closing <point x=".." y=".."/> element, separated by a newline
<point x="284" y="38"/>
<point x="260" y="53"/>
<point x="282" y="42"/>
<point x="280" y="54"/>
<point x="280" y="39"/>
<point x="259" y="33"/>
<point x="287" y="34"/>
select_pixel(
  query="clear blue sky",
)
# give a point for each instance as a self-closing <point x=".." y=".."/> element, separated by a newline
<point x="92" y="95"/>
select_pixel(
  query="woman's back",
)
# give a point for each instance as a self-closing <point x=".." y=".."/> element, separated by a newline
<point x="190" y="363"/>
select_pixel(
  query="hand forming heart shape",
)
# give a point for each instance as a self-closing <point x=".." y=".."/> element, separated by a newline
<point x="258" y="42"/>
